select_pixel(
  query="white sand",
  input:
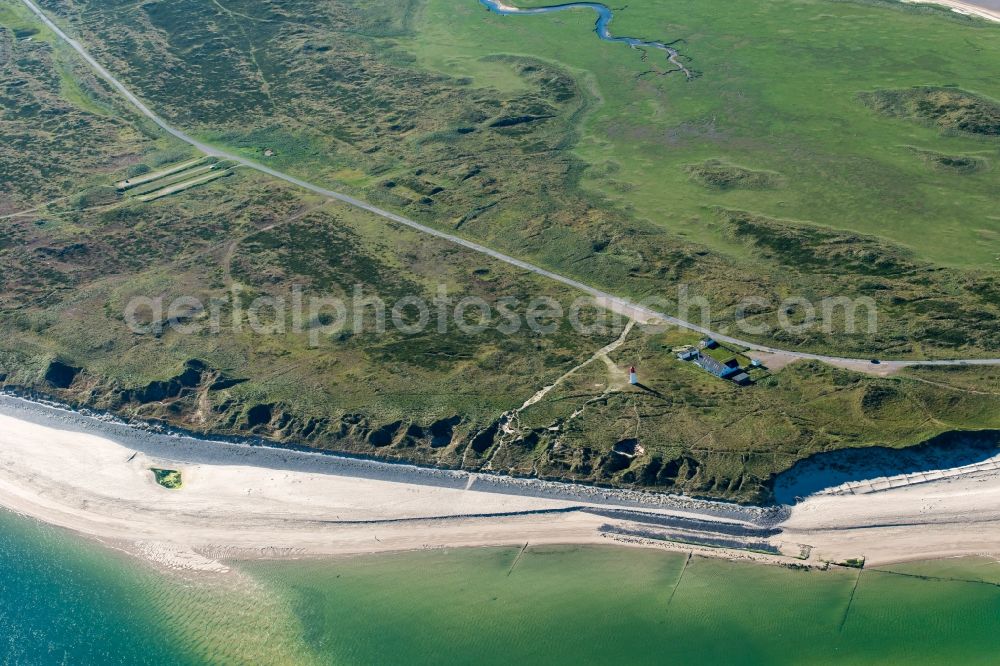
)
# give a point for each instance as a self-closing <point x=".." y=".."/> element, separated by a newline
<point x="971" y="8"/>
<point x="87" y="483"/>
<point x="94" y="485"/>
<point x="91" y="484"/>
<point x="943" y="518"/>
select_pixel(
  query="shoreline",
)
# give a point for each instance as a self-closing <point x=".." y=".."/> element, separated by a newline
<point x="92" y="475"/>
<point x="159" y="439"/>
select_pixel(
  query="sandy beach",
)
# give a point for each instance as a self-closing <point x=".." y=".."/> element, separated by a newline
<point x="93" y="477"/>
<point x="985" y="9"/>
<point x="95" y="486"/>
<point x="949" y="517"/>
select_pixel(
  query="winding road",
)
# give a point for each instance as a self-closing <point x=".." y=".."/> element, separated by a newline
<point x="614" y="303"/>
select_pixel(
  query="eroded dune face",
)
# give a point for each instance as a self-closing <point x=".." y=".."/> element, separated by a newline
<point x="236" y="500"/>
<point x="879" y="468"/>
<point x="228" y="498"/>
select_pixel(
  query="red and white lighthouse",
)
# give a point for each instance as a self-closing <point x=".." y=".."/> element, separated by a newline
<point x="633" y="377"/>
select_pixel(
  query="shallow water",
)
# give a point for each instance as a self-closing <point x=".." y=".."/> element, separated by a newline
<point x="600" y="604"/>
<point x="66" y="599"/>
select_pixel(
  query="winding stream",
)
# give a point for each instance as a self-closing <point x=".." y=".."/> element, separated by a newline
<point x="602" y="27"/>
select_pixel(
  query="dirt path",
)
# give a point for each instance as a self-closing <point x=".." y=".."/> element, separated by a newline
<point x="951" y="387"/>
<point x="29" y="211"/>
<point x="227" y="257"/>
<point x="510" y="426"/>
<point x="615" y="374"/>
<point x="265" y="85"/>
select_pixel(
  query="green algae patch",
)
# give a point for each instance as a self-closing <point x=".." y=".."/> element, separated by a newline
<point x="168" y="478"/>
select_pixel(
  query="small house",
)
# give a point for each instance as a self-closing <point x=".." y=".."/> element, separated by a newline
<point x="688" y="355"/>
<point x="711" y="365"/>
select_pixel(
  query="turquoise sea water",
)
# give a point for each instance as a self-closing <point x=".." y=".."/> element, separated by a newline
<point x="62" y="601"/>
<point x="67" y="600"/>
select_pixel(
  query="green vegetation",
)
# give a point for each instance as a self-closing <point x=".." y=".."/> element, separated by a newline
<point x="168" y="478"/>
<point x="707" y="436"/>
<point x="559" y="148"/>
<point x="718" y="175"/>
<point x="750" y="181"/>
<point x="50" y="146"/>
<point x="955" y="163"/>
<point x="814" y="249"/>
<point x="951" y="109"/>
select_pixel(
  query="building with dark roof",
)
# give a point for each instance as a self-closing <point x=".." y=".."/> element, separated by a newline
<point x="741" y="378"/>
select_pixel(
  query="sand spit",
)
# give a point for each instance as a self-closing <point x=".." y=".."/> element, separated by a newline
<point x="92" y="475"/>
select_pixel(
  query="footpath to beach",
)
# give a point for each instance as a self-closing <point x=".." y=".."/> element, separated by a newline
<point x="93" y="476"/>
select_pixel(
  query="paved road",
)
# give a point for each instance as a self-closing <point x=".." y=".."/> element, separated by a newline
<point x="615" y="303"/>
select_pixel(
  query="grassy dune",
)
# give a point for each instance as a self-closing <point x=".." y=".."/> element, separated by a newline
<point x="529" y="134"/>
<point x="780" y="90"/>
<point x="533" y="136"/>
